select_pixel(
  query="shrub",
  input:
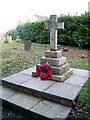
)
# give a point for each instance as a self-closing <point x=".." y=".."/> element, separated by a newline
<point x="34" y="32"/>
<point x="76" y="31"/>
<point x="13" y="33"/>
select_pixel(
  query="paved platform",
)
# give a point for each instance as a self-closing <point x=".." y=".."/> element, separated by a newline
<point x="49" y="98"/>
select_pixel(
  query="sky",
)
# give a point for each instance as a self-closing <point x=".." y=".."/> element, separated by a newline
<point x="11" y="11"/>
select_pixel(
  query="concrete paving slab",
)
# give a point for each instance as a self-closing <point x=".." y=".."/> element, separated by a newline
<point x="49" y="90"/>
<point x="76" y="80"/>
<point x="42" y="107"/>
<point x="38" y="84"/>
<point x="81" y="72"/>
<point x="64" y="90"/>
<point x="28" y="71"/>
<point x="51" y="110"/>
<point x="17" y="78"/>
<point x="24" y="100"/>
<point x="6" y="92"/>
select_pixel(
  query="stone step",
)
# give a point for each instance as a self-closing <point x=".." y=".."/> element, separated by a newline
<point x="33" y="104"/>
<point x="59" y="78"/>
<point x="53" y="54"/>
<point x="62" y="93"/>
<point x="57" y="62"/>
<point x="58" y="70"/>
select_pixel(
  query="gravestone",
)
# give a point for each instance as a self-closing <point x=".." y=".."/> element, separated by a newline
<point x="10" y="39"/>
<point x="6" y="39"/>
<point x="27" y="45"/>
<point x="59" y="65"/>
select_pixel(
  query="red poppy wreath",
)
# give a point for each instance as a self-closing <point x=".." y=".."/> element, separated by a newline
<point x="44" y="71"/>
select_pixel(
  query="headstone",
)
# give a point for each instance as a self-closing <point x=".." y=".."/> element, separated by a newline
<point x="2" y="38"/>
<point x="10" y="39"/>
<point x="27" y="45"/>
<point x="6" y="39"/>
<point x="17" y="37"/>
<point x="53" y="26"/>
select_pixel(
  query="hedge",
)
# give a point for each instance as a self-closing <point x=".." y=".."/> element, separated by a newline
<point x="34" y="32"/>
<point x="76" y="31"/>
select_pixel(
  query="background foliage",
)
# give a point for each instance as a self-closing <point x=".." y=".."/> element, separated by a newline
<point x="76" y="31"/>
<point x="13" y="33"/>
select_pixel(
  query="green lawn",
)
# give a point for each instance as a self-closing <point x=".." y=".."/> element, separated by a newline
<point x="85" y="95"/>
<point x="15" y="59"/>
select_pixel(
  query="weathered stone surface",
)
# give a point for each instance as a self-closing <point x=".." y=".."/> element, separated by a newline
<point x="61" y="78"/>
<point x="17" y="78"/>
<point x="64" y="90"/>
<point x="38" y="84"/>
<point x="62" y="94"/>
<point x="42" y="107"/>
<point x="24" y="100"/>
<point x="76" y="80"/>
<point x="27" y="45"/>
<point x="6" y="92"/>
<point x="83" y="73"/>
<point x="58" y="78"/>
<point x="53" y="32"/>
<point x="51" y="109"/>
<point x="53" y="26"/>
<point x="54" y="62"/>
<point x="53" y="54"/>
<point x="58" y="70"/>
<point x="19" y="88"/>
<point x="28" y="71"/>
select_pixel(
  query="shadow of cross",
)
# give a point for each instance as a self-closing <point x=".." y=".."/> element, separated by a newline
<point x="53" y="26"/>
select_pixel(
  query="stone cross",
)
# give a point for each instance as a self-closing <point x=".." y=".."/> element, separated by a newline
<point x="53" y="26"/>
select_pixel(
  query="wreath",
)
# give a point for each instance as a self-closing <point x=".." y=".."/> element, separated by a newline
<point x="44" y="71"/>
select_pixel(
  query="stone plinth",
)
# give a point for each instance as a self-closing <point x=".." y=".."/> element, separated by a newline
<point x="53" y="54"/>
<point x="58" y="63"/>
<point x="58" y="70"/>
<point x="51" y="99"/>
<point x="59" y="78"/>
<point x="53" y="61"/>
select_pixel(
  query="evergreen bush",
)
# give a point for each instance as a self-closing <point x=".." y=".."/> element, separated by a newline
<point x="76" y="31"/>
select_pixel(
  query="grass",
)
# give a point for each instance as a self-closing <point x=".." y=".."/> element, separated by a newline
<point x="85" y="95"/>
<point x="79" y="64"/>
<point x="15" y="59"/>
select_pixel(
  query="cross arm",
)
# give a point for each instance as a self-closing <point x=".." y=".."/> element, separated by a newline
<point x="46" y="26"/>
<point x="60" y="25"/>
